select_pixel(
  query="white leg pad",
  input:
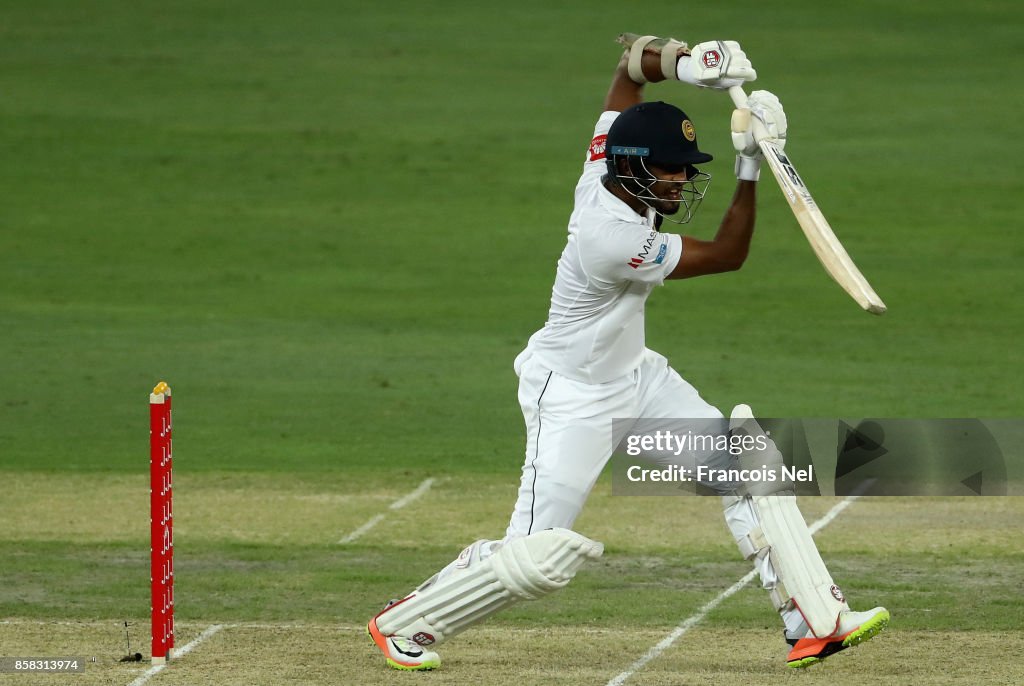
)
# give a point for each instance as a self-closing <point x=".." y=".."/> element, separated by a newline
<point x="782" y="535"/>
<point x="803" y="577"/>
<point x="488" y="577"/>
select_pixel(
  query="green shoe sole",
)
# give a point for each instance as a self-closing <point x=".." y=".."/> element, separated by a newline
<point x="866" y="631"/>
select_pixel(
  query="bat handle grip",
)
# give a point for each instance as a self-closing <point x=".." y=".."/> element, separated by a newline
<point x="739" y="96"/>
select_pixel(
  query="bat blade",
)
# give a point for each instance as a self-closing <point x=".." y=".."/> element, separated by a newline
<point x="829" y="251"/>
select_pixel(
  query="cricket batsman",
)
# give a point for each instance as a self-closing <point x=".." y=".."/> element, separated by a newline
<point x="589" y="365"/>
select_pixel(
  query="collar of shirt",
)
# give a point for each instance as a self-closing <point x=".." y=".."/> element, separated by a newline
<point x="618" y="207"/>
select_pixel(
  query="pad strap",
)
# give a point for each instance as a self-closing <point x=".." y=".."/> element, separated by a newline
<point x="780" y="597"/>
<point x="754" y="544"/>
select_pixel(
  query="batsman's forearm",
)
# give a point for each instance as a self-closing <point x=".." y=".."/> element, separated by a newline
<point x="732" y="241"/>
<point x="624" y="91"/>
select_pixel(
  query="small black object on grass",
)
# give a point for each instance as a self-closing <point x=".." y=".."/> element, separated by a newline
<point x="130" y="657"/>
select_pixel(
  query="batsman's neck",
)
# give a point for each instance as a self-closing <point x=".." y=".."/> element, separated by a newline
<point x="616" y="189"/>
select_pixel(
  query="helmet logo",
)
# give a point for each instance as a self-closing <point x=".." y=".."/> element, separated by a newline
<point x="688" y="132"/>
<point x="712" y="58"/>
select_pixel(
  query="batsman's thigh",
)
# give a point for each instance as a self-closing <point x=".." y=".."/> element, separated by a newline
<point x="563" y="461"/>
<point x="569" y="440"/>
<point x="665" y="393"/>
<point x="691" y="429"/>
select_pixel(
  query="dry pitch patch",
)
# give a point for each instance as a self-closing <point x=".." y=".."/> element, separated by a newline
<point x="101" y="644"/>
<point x="242" y="655"/>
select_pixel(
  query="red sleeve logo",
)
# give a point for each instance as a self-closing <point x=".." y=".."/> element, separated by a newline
<point x="597" y="147"/>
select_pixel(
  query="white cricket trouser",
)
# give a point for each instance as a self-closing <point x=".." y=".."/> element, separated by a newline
<point x="569" y="432"/>
<point x="569" y="435"/>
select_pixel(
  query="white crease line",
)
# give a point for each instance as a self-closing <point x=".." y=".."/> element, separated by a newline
<point x="374" y="521"/>
<point x="397" y="505"/>
<point x="420" y="490"/>
<point x="177" y="654"/>
<point x="696" y="618"/>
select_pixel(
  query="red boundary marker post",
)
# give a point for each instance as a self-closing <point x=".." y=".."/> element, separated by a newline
<point x="161" y="524"/>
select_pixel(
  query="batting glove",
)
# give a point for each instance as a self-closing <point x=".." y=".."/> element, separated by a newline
<point x="716" y="64"/>
<point x="767" y="110"/>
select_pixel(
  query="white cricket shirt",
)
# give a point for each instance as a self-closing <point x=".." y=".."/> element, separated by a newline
<point x="612" y="261"/>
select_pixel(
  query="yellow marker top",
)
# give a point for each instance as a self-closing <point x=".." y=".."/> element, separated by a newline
<point x="161" y="387"/>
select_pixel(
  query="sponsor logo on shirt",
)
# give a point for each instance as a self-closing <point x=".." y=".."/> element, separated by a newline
<point x="661" y="253"/>
<point x="641" y="256"/>
<point x="597" y="148"/>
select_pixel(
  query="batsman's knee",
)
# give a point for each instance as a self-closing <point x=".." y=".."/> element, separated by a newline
<point x="487" y="577"/>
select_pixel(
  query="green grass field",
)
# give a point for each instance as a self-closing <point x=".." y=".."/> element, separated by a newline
<point x="331" y="226"/>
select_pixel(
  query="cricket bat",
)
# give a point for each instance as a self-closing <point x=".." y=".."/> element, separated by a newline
<point x="826" y="246"/>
